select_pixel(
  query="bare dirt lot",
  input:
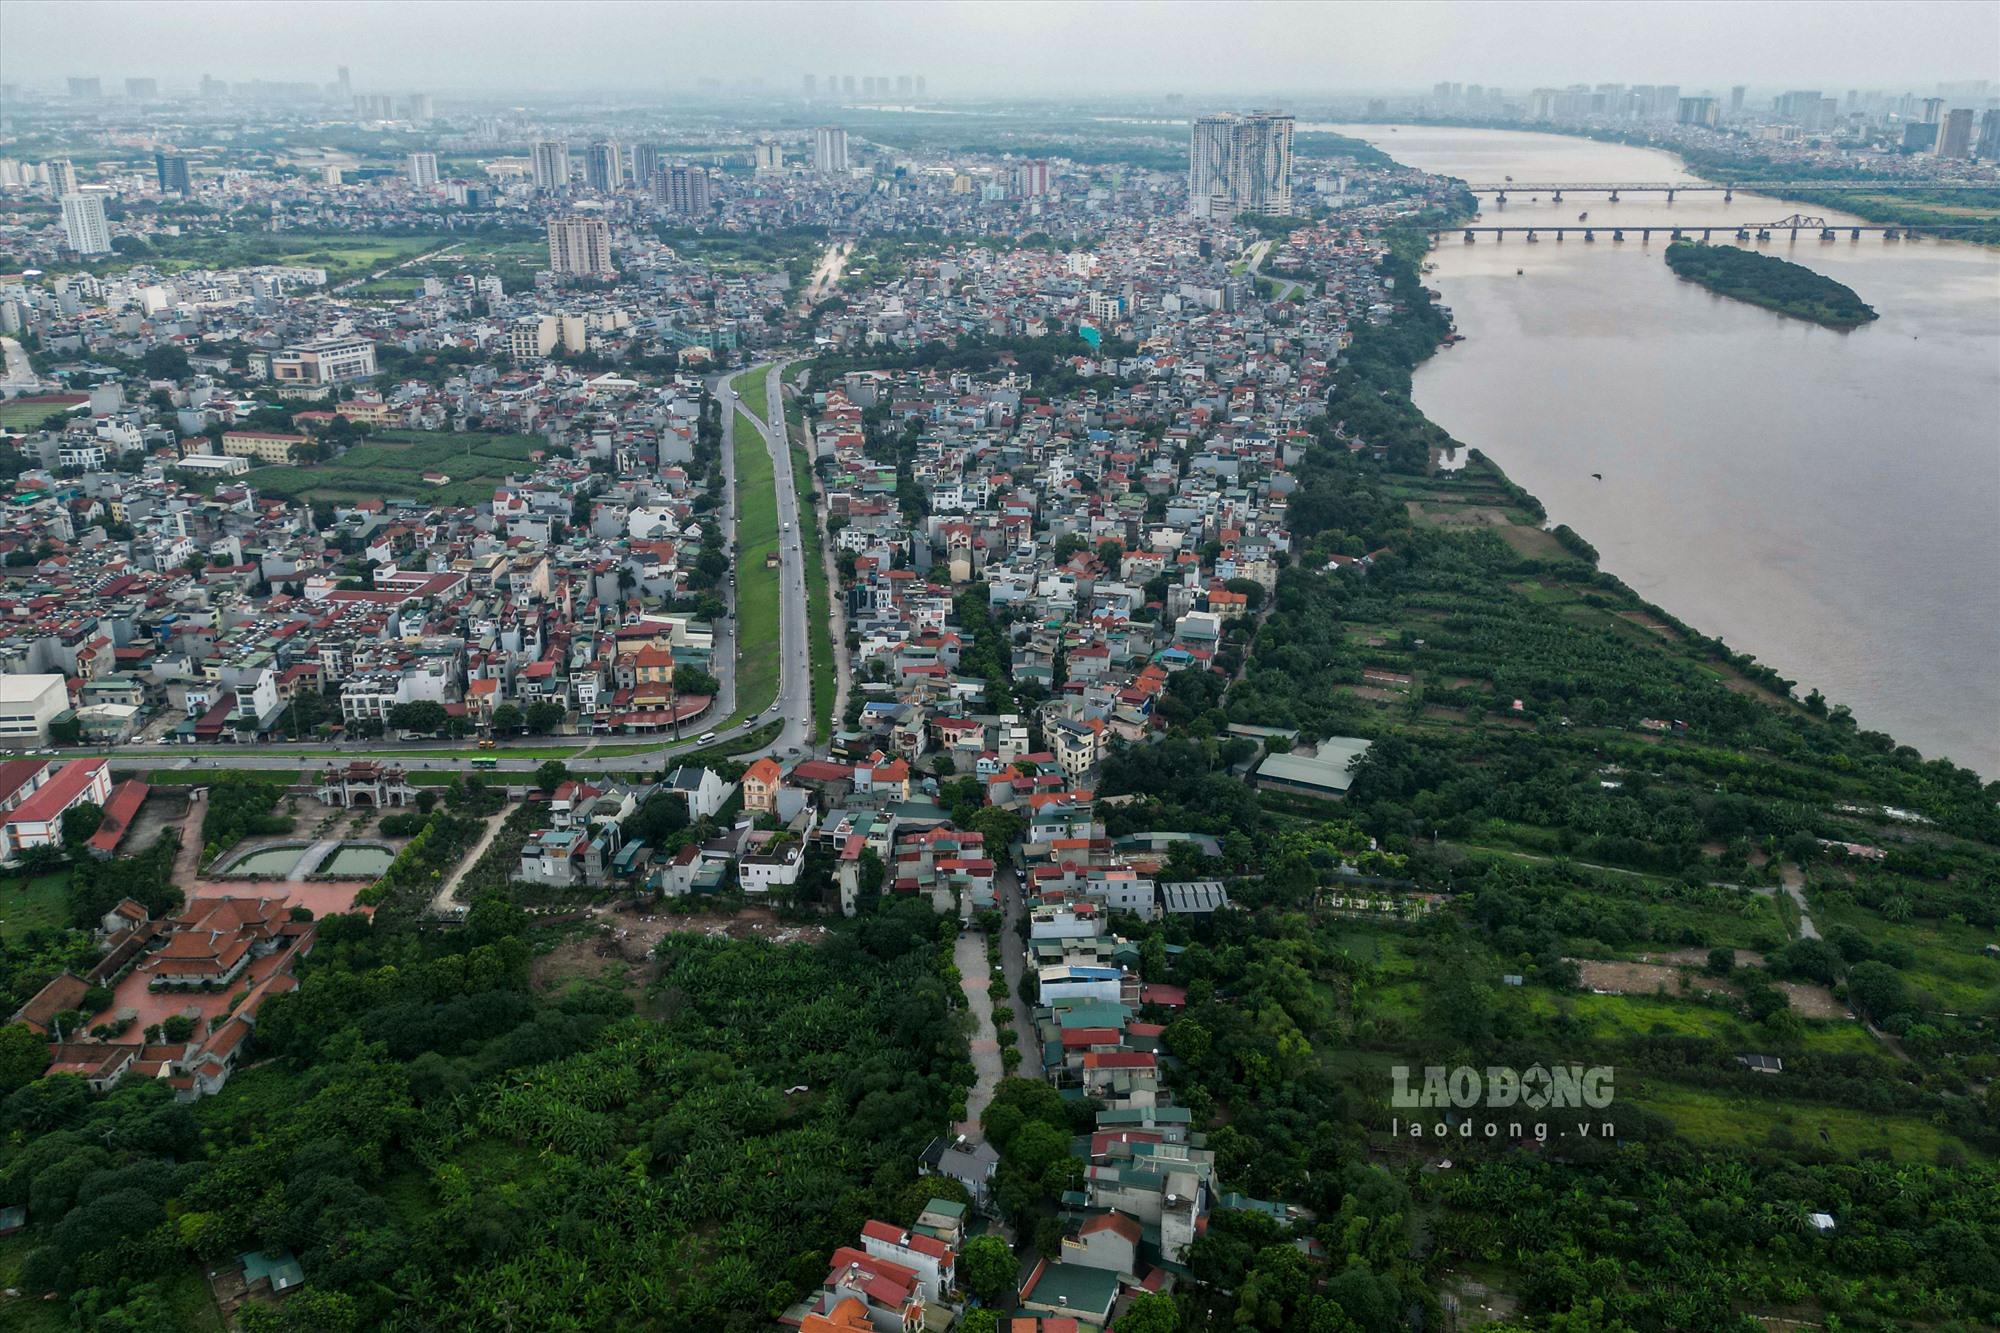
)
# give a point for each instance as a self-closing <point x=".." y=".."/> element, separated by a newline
<point x="1641" y="978"/>
<point x="1661" y="973"/>
<point x="618" y="945"/>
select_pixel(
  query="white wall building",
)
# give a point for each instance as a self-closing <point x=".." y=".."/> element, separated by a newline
<point x="27" y="705"/>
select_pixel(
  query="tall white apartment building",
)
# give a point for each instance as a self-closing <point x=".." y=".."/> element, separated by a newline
<point x="830" y="150"/>
<point x="84" y="228"/>
<point x="604" y="166"/>
<point x="551" y="166"/>
<point x="1240" y="164"/>
<point x="580" y="247"/>
<point x="422" y="169"/>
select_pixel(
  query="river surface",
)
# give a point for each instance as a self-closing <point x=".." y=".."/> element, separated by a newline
<point x="1827" y="501"/>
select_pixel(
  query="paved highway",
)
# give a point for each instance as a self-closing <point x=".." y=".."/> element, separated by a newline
<point x="19" y="374"/>
<point x="794" y="702"/>
<point x="794" y="672"/>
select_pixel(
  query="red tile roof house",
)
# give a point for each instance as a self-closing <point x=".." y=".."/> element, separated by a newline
<point x="891" y="1292"/>
<point x="37" y="821"/>
<point x="929" y="1258"/>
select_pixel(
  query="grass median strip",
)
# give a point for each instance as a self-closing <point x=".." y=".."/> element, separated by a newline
<point x="757" y="590"/>
<point x="819" y="614"/>
<point x="750" y="384"/>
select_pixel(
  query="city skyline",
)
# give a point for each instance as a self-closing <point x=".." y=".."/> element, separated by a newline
<point x="1026" y="50"/>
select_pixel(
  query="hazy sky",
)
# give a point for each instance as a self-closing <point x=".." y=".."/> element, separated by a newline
<point x="996" y="46"/>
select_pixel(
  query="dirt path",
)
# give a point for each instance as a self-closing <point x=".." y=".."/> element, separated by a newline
<point x="975" y="975"/>
<point x="441" y="904"/>
<point x="1794" y="881"/>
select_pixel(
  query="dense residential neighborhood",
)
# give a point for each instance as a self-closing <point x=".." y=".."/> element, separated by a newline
<point x="820" y="720"/>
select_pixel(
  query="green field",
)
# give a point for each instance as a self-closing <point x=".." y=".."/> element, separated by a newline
<point x="515" y="258"/>
<point x="17" y="416"/>
<point x="33" y="904"/>
<point x="757" y="642"/>
<point x="1718" y="1119"/>
<point x="391" y="465"/>
<point x="343" y="256"/>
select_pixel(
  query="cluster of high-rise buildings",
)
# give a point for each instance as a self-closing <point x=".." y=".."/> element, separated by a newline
<point x="1965" y="124"/>
<point x="867" y="85"/>
<point x="1240" y="164"/>
<point x="1607" y="101"/>
<point x="682" y="187"/>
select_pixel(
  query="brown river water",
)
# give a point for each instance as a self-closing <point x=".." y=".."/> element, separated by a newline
<point x="1827" y="501"/>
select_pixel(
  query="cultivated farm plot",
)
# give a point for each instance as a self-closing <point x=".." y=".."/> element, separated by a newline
<point x="1947" y="961"/>
<point x="1726" y="1120"/>
<point x="392" y="465"/>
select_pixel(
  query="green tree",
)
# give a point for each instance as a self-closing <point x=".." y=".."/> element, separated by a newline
<point x="507" y="719"/>
<point x="24" y="1054"/>
<point x="552" y="774"/>
<point x="166" y="361"/>
<point x="544" y="716"/>
<point x="1150" y="1312"/>
<point x="422" y="716"/>
<point x="693" y="680"/>
<point x="1876" y="989"/>
<point x="80" y="822"/>
<point x="986" y="1266"/>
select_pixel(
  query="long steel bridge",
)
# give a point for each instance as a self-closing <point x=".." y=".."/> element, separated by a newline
<point x="1726" y="189"/>
<point x="1742" y="231"/>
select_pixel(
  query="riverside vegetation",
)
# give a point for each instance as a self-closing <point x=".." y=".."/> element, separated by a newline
<point x="1768" y="281"/>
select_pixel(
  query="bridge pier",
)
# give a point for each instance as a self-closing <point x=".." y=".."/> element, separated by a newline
<point x="1645" y="234"/>
<point x="1675" y="235"/>
<point x="1670" y="196"/>
<point x="1704" y="236"/>
<point x="1614" y="196"/>
<point x="1589" y="235"/>
<point x="1559" y="196"/>
<point x="1500" y="198"/>
<point x="1728" y="196"/>
<point x="1559" y="233"/>
<point x="1795" y="234"/>
<point x="1468" y="236"/>
<point x="1742" y="234"/>
<point x="1856" y="236"/>
<point x="1617" y="233"/>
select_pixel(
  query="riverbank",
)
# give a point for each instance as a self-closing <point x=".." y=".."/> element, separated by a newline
<point x="1413" y="337"/>
<point x="1736" y="465"/>
<point x="1382" y="377"/>
<point x="1953" y="209"/>
<point x="1770" y="283"/>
